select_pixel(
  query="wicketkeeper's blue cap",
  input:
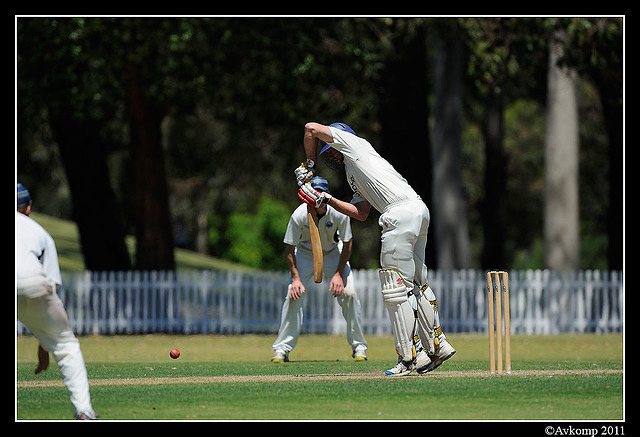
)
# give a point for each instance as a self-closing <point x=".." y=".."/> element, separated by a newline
<point x="23" y="196"/>
<point x="342" y="126"/>
<point x="319" y="183"/>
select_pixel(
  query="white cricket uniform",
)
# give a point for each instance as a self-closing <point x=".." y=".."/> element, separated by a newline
<point x="404" y="217"/>
<point x="404" y="221"/>
<point x="41" y="310"/>
<point x="334" y="228"/>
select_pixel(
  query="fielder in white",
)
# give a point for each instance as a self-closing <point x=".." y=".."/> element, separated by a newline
<point x="41" y="310"/>
<point x="336" y="239"/>
<point x="404" y="220"/>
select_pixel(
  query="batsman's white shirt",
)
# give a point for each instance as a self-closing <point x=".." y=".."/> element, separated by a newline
<point x="298" y="235"/>
<point x="370" y="176"/>
<point x="404" y="217"/>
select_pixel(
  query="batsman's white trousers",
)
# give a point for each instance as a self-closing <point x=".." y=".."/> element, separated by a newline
<point x="404" y="240"/>
<point x="41" y="310"/>
<point x="292" y="310"/>
<point x="403" y="244"/>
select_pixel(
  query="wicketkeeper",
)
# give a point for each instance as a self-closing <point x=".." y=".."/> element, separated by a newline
<point x="404" y="221"/>
<point x="336" y="239"/>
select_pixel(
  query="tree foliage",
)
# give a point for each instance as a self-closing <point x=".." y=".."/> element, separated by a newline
<point x="196" y="123"/>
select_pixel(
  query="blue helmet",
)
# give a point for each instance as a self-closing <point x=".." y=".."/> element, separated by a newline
<point x="343" y="127"/>
<point x="23" y="196"/>
<point x="319" y="183"/>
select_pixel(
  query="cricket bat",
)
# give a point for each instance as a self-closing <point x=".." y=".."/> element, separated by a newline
<point x="316" y="245"/>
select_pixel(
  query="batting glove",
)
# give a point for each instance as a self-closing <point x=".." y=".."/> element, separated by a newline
<point x="309" y="195"/>
<point x="305" y="172"/>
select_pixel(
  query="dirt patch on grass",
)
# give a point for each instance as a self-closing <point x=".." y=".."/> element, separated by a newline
<point x="312" y="377"/>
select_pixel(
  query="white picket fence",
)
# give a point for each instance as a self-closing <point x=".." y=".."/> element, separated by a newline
<point x="225" y="302"/>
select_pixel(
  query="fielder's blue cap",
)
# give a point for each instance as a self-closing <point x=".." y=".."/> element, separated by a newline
<point x="342" y="126"/>
<point x="319" y="183"/>
<point x="23" y="196"/>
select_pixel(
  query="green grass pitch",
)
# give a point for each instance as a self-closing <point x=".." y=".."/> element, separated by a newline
<point x="218" y="377"/>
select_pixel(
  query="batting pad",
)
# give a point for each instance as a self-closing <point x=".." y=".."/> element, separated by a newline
<point x="426" y="322"/>
<point x="394" y="294"/>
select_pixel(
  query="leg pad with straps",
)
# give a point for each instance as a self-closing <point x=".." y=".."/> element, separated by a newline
<point x="394" y="294"/>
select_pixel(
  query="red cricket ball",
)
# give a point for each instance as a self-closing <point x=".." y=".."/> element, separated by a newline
<point x="175" y="353"/>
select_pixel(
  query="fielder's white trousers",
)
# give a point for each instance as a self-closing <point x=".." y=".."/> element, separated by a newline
<point x="41" y="310"/>
<point x="292" y="310"/>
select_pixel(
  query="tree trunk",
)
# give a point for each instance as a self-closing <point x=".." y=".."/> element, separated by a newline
<point x="449" y="209"/>
<point x="494" y="207"/>
<point x="95" y="209"/>
<point x="404" y="116"/>
<point x="150" y="200"/>
<point x="561" y="213"/>
<point x="610" y="88"/>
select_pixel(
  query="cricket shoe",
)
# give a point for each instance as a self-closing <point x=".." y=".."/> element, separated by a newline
<point x="444" y="352"/>
<point x="359" y="355"/>
<point x="402" y="368"/>
<point x="422" y="359"/>
<point x="280" y="357"/>
<point x="87" y="415"/>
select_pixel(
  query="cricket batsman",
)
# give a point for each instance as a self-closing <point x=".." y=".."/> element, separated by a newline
<point x="336" y="239"/>
<point x="404" y="221"/>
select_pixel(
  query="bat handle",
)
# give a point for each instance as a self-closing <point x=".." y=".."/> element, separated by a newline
<point x="311" y="210"/>
<point x="316" y="245"/>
